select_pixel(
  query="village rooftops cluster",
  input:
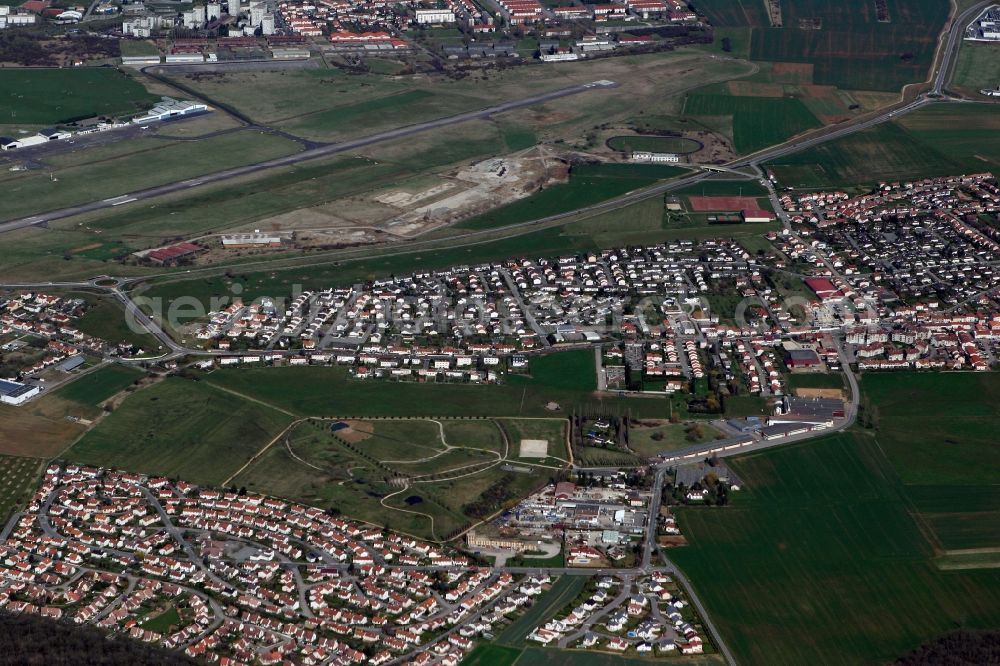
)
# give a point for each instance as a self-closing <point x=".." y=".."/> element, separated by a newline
<point x="645" y="617"/>
<point x="244" y="578"/>
<point x="29" y="316"/>
<point x="913" y="283"/>
<point x="486" y="318"/>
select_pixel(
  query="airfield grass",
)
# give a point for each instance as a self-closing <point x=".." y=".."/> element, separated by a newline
<point x="588" y="184"/>
<point x="150" y="165"/>
<point x="562" y="591"/>
<point x="97" y="386"/>
<point x="327" y="104"/>
<point x="977" y="68"/>
<point x="51" y="96"/>
<point x="758" y="122"/>
<point x="940" y="140"/>
<point x="180" y="428"/>
<point x="18" y="480"/>
<point x="831" y="553"/>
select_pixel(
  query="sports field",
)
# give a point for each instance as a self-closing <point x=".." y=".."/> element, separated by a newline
<point x="655" y="144"/>
<point x="943" y="139"/>
<point x="722" y="203"/>
<point x="182" y="428"/>
<point x="830" y="553"/>
<point x="51" y="96"/>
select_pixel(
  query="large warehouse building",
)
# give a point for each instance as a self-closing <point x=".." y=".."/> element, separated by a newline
<point x="16" y="393"/>
<point x="170" y="108"/>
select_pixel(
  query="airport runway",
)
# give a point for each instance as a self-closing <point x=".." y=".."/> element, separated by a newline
<point x="310" y="154"/>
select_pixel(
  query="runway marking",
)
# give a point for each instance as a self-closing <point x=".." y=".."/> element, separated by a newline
<point x="119" y="203"/>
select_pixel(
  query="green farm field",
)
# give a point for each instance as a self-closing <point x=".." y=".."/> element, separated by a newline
<point x="181" y="428"/>
<point x="906" y="554"/>
<point x="943" y="139"/>
<point x="97" y="386"/>
<point x="51" y="96"/>
<point x="820" y="560"/>
<point x="758" y="122"/>
<point x="851" y="48"/>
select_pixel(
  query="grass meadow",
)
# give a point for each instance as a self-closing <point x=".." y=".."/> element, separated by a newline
<point x="181" y="428"/>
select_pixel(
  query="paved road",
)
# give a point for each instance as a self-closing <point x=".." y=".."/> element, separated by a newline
<point x="313" y="153"/>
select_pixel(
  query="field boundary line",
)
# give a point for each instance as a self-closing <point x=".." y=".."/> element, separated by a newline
<point x="244" y="396"/>
<point x="255" y="457"/>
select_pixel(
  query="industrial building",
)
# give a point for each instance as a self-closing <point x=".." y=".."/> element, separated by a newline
<point x="170" y="108"/>
<point x="432" y="16"/>
<point x="240" y="241"/>
<point x="16" y="393"/>
<point x="646" y="156"/>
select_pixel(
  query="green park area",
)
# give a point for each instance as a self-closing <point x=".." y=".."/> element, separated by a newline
<point x="428" y="478"/>
<point x="844" y="549"/>
<point x="52" y="96"/>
